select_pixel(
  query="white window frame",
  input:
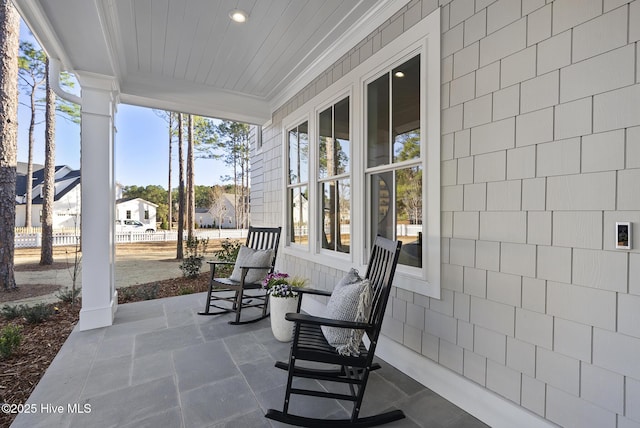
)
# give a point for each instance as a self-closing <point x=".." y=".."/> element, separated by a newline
<point x="287" y="126"/>
<point x="331" y="102"/>
<point x="423" y="38"/>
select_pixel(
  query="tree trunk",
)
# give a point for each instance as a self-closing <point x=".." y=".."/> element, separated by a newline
<point x="191" y="176"/>
<point x="48" y="186"/>
<point x="29" y="197"/>
<point x="179" y="249"/>
<point x="9" y="34"/>
<point x="170" y="213"/>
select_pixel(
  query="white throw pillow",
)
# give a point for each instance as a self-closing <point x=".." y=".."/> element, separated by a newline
<point x="349" y="301"/>
<point x="248" y="257"/>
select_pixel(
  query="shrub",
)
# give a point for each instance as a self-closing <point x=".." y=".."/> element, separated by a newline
<point x="68" y="295"/>
<point x="191" y="266"/>
<point x="229" y="250"/>
<point x="126" y="293"/>
<point x="10" y="338"/>
<point x="37" y="313"/>
<point x="185" y="290"/>
<point x="195" y="249"/>
<point x="148" y="292"/>
<point x="11" y="312"/>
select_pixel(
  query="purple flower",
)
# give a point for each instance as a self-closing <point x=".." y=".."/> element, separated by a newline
<point x="277" y="285"/>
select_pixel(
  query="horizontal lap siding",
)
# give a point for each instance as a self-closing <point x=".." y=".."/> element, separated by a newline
<point x="540" y="157"/>
<point x="552" y="173"/>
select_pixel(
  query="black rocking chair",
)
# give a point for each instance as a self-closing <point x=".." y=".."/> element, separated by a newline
<point x="309" y="344"/>
<point x="258" y="238"/>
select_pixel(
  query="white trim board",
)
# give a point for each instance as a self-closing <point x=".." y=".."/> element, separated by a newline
<point x="490" y="408"/>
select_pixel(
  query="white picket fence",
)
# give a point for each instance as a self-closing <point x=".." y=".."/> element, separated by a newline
<point x="31" y="240"/>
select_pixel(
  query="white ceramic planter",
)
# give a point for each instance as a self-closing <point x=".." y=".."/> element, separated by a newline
<point x="280" y="306"/>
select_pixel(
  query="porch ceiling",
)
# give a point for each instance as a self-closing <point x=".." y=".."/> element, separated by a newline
<point x="188" y="55"/>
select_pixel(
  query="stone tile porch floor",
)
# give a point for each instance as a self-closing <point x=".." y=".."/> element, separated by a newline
<point x="162" y="365"/>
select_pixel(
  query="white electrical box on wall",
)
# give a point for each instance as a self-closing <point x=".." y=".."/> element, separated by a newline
<point x="623" y="235"/>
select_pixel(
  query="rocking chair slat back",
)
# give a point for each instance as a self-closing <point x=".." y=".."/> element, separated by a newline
<point x="264" y="238"/>
<point x="220" y="301"/>
<point x="310" y="346"/>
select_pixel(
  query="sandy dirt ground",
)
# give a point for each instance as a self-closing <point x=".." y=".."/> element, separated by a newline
<point x="137" y="263"/>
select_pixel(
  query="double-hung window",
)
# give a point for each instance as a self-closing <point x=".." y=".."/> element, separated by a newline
<point x="363" y="159"/>
<point x="334" y="181"/>
<point x="395" y="159"/>
<point x="298" y="184"/>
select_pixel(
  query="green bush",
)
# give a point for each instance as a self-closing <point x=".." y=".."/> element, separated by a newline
<point x="148" y="292"/>
<point x="228" y="253"/>
<point x="10" y="338"/>
<point x="32" y="314"/>
<point x="229" y="250"/>
<point x="195" y="250"/>
<point x="68" y="295"/>
<point x="37" y="313"/>
<point x="185" y="290"/>
<point x="126" y="293"/>
<point x="11" y="312"/>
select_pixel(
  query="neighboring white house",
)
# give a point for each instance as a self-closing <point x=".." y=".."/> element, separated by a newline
<point x="66" y="205"/>
<point x="225" y="216"/>
<point x="137" y="209"/>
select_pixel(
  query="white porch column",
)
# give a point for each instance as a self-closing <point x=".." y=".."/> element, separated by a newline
<point x="99" y="296"/>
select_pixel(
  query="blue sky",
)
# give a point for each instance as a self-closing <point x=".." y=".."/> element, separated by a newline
<point x="141" y="147"/>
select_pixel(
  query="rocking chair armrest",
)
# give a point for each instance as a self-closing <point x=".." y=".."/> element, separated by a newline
<point x="314" y="291"/>
<point x="219" y="262"/>
<point x="309" y="319"/>
<point x="254" y="267"/>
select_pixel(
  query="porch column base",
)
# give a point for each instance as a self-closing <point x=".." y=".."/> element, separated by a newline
<point x="91" y="318"/>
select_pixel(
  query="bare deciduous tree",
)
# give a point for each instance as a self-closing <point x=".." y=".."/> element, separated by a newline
<point x="218" y="207"/>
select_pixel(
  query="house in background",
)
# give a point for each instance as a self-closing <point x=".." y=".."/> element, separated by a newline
<point x="517" y="122"/>
<point x="204" y="219"/>
<point x="66" y="205"/>
<point x="137" y="209"/>
<point x="221" y="214"/>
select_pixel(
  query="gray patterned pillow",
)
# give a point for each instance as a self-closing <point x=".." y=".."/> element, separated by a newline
<point x="249" y="257"/>
<point x="349" y="301"/>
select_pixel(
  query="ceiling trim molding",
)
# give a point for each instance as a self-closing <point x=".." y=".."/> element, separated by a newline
<point x="97" y="81"/>
<point x="110" y="30"/>
<point x="40" y="26"/>
<point x="368" y="23"/>
<point x="189" y="97"/>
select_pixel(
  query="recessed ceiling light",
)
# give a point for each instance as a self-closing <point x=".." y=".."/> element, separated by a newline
<point x="238" y="15"/>
<point x="399" y="74"/>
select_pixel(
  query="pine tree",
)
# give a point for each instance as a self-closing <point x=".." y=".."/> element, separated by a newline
<point x="32" y="75"/>
<point x="9" y="36"/>
<point x="179" y="249"/>
<point x="48" y="187"/>
<point x="190" y="178"/>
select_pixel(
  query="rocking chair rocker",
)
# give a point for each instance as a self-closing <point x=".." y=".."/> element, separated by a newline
<point x="248" y="277"/>
<point x="311" y="345"/>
